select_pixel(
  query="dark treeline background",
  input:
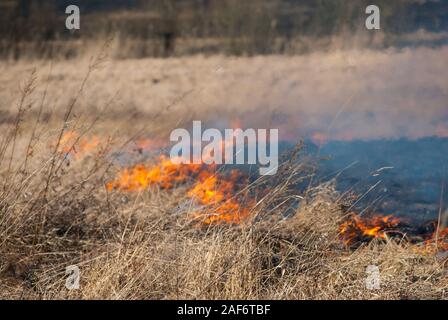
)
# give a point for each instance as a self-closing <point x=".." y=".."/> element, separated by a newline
<point x="140" y="28"/>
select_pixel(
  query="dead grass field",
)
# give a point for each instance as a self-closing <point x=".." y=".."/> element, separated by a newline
<point x="358" y="93"/>
<point x="56" y="208"/>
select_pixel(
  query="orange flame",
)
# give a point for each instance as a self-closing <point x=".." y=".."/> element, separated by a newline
<point x="437" y="241"/>
<point x="164" y="174"/>
<point x="357" y="228"/>
<point x="217" y="196"/>
<point x="72" y="144"/>
<point x="213" y="192"/>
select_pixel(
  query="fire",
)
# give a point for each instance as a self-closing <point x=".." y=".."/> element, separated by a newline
<point x="67" y="141"/>
<point x="358" y="229"/>
<point x="218" y="200"/>
<point x="361" y="229"/>
<point x="164" y="173"/>
<point x="213" y="192"/>
<point x="319" y="138"/>
<point x="437" y="241"/>
<point x="217" y="196"/>
<point x="72" y="144"/>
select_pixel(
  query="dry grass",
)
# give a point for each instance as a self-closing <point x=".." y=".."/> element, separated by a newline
<point x="144" y="247"/>
<point x="55" y="211"/>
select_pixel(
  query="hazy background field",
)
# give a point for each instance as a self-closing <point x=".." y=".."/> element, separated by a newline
<point x="338" y="95"/>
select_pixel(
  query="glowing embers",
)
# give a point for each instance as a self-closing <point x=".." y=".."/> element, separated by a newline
<point x="424" y="240"/>
<point x="361" y="229"/>
<point x="437" y="241"/>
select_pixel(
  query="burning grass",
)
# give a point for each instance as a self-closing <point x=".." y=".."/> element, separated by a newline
<point x="218" y="194"/>
<point x="213" y="191"/>
<point x="164" y="174"/>
<point x="163" y="230"/>
<point x="156" y="230"/>
<point x="356" y="229"/>
<point x="72" y="144"/>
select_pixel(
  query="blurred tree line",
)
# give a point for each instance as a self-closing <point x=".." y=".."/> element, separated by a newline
<point x="161" y="27"/>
